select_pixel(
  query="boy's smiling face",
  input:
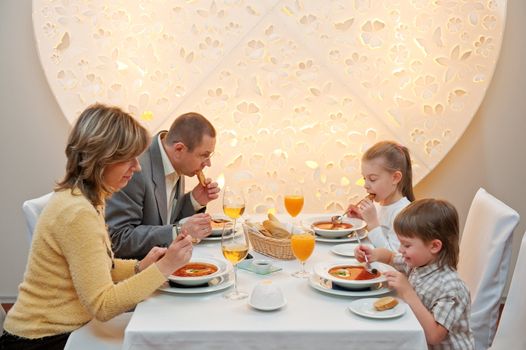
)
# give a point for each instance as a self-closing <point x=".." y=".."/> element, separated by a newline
<point x="418" y="253"/>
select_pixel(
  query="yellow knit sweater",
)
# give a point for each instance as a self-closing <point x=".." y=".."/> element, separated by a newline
<point x="69" y="277"/>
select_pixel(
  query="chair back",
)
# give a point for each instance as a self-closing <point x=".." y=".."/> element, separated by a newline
<point x="2" y="318"/>
<point x="99" y="335"/>
<point x="509" y="333"/>
<point x="485" y="254"/>
<point x="32" y="209"/>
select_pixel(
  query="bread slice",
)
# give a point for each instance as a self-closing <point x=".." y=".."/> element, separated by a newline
<point x="385" y="303"/>
<point x="201" y="177"/>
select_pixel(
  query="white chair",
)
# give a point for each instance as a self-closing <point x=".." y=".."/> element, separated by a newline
<point x="32" y="209"/>
<point x="2" y="318"/>
<point x="485" y="254"/>
<point x="98" y="335"/>
<point x="509" y="334"/>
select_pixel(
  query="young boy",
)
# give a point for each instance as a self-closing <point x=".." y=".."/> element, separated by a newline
<point x="428" y="281"/>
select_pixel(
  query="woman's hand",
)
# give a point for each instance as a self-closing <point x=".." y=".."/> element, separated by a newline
<point x="176" y="255"/>
<point x="153" y="255"/>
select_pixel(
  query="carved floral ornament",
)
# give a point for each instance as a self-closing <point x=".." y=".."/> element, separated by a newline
<point x="297" y="90"/>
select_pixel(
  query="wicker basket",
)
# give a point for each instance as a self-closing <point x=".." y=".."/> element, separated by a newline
<point x="276" y="248"/>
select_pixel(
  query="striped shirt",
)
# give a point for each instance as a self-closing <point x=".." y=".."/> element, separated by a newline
<point x="446" y="296"/>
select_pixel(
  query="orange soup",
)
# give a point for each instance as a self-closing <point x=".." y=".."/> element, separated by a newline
<point x="195" y="270"/>
<point x="219" y="223"/>
<point x="327" y="225"/>
<point x="352" y="273"/>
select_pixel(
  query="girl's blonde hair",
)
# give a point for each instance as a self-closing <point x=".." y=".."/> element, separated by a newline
<point x="396" y="158"/>
<point x="102" y="135"/>
<point x="429" y="219"/>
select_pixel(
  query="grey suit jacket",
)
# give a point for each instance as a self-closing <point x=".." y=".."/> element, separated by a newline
<point x="137" y="214"/>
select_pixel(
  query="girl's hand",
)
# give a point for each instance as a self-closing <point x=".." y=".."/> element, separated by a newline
<point x="153" y="256"/>
<point x="367" y="212"/>
<point x="176" y="255"/>
<point x="353" y="212"/>
<point x="399" y="282"/>
<point x="362" y="250"/>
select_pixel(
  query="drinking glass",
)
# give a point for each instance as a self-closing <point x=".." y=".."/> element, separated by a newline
<point x="294" y="201"/>
<point x="302" y="244"/>
<point x="233" y="203"/>
<point x="234" y="244"/>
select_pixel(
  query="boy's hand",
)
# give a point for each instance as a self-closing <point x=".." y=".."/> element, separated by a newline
<point x="399" y="282"/>
<point x="362" y="250"/>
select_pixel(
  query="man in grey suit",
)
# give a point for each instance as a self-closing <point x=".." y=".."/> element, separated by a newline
<point x="146" y="212"/>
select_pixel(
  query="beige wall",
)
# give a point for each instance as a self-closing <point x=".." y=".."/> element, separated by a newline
<point x="33" y="132"/>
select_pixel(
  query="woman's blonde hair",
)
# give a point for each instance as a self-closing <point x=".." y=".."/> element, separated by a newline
<point x="396" y="158"/>
<point x="102" y="135"/>
<point x="429" y="219"/>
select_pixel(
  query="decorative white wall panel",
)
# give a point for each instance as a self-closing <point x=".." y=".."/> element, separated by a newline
<point x="296" y="89"/>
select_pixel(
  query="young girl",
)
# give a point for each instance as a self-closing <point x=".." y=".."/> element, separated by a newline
<point x="429" y="284"/>
<point x="386" y="169"/>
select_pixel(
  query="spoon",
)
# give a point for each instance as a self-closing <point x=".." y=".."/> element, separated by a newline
<point x="368" y="266"/>
<point x="337" y="219"/>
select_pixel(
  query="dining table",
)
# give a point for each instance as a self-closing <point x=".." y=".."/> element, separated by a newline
<point x="312" y="318"/>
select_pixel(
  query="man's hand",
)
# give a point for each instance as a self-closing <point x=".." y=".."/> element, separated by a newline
<point x="205" y="194"/>
<point x="198" y="225"/>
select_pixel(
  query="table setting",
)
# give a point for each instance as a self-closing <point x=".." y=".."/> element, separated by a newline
<point x="274" y="298"/>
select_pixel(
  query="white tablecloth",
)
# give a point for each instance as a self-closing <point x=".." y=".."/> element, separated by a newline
<point x="310" y="320"/>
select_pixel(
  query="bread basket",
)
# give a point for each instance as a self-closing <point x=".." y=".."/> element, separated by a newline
<point x="273" y="247"/>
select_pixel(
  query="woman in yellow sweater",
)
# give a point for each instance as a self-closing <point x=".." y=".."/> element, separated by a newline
<point x="72" y="276"/>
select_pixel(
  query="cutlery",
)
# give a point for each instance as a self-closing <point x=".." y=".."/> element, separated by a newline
<point x="368" y="266"/>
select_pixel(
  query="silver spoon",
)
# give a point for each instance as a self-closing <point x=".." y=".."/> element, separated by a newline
<point x="368" y="266"/>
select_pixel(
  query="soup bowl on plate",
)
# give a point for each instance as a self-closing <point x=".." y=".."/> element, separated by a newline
<point x="199" y="271"/>
<point x="351" y="274"/>
<point x="325" y="228"/>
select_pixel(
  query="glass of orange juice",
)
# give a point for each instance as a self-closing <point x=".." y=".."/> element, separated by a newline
<point x="294" y="200"/>
<point x="302" y="244"/>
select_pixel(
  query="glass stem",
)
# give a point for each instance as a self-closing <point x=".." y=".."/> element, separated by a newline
<point x="235" y="280"/>
<point x="302" y="267"/>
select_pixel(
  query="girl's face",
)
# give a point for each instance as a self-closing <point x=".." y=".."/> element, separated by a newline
<point x="381" y="182"/>
<point x="117" y="175"/>
<point x="418" y="253"/>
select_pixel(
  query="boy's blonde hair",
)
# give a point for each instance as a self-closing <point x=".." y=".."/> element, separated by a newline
<point x="396" y="158"/>
<point x="429" y="219"/>
<point x="102" y="135"/>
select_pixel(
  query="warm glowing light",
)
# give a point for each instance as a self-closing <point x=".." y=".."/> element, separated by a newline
<point x="297" y="90"/>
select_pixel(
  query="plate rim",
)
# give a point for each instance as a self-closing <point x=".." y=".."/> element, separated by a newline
<point x="319" y="238"/>
<point x="347" y="293"/>
<point x="198" y="290"/>
<point x="400" y="307"/>
<point x="333" y="249"/>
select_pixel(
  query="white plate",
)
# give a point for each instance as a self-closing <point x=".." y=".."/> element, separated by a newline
<point x="223" y="267"/>
<point x="322" y="270"/>
<point x="211" y="239"/>
<point x="268" y="308"/>
<point x="218" y="231"/>
<point x="324" y="286"/>
<point x="346" y="239"/>
<point x="365" y="307"/>
<point x="357" y="224"/>
<point x="345" y="249"/>
<point x="199" y="290"/>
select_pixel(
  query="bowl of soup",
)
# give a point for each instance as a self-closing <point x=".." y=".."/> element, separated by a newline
<point x="324" y="227"/>
<point x="199" y="271"/>
<point x="351" y="274"/>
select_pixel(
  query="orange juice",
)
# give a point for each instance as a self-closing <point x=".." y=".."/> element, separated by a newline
<point x="294" y="204"/>
<point x="302" y="245"/>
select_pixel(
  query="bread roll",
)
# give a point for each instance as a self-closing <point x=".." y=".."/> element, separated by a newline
<point x="385" y="303"/>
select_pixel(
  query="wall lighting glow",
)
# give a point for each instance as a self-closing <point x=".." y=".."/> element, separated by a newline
<point x="297" y="89"/>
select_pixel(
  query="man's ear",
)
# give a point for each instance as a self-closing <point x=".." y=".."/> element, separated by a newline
<point x="397" y="177"/>
<point x="178" y="147"/>
<point x="435" y="246"/>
